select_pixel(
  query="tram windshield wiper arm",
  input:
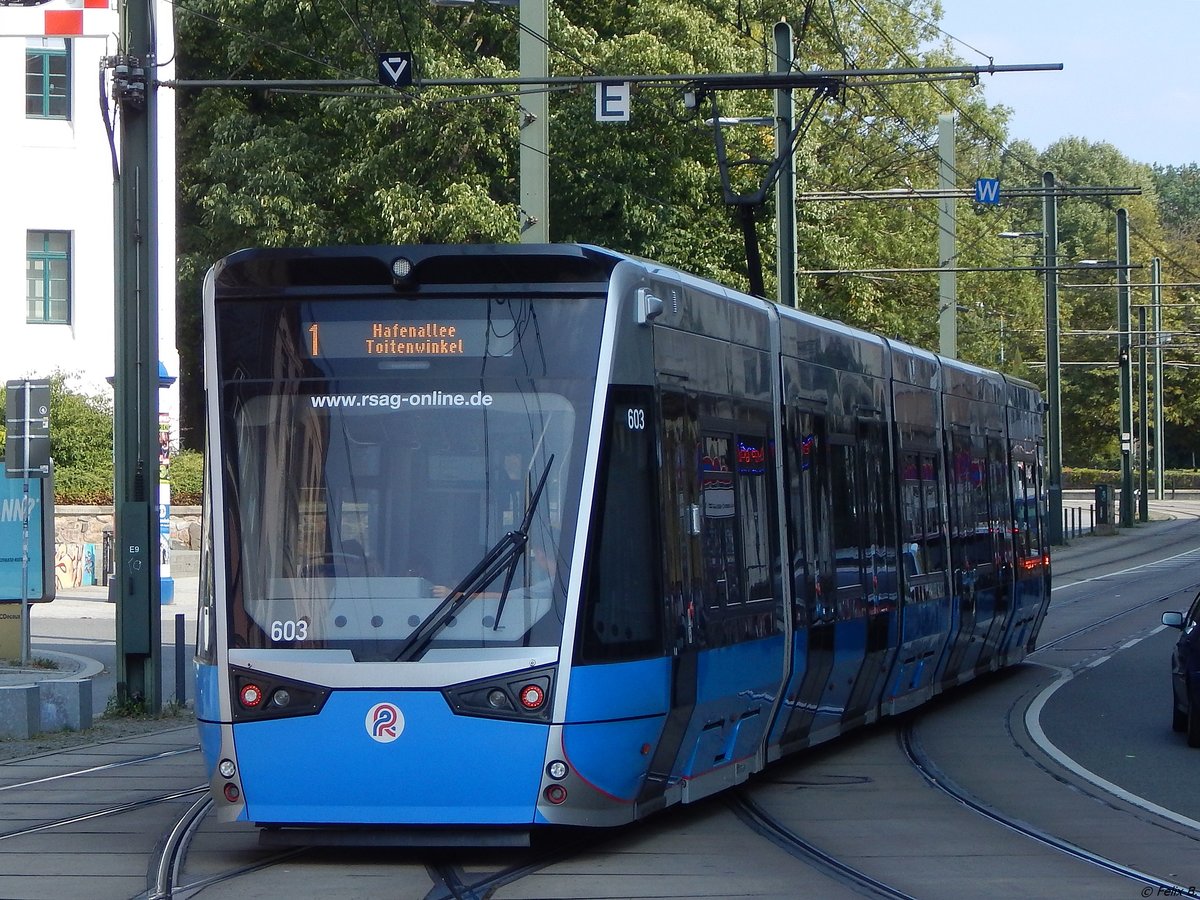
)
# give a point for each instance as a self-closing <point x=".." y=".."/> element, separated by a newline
<point x="504" y="555"/>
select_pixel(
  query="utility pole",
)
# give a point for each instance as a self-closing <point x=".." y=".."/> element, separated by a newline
<point x="1124" y="368"/>
<point x="533" y="130"/>
<point x="1054" y="527"/>
<point x="1159" y="438"/>
<point x="136" y="587"/>
<point x="785" y="187"/>
<point x="1143" y="423"/>
<point x="947" y="234"/>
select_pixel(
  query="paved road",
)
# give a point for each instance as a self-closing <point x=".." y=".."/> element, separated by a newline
<point x="108" y="856"/>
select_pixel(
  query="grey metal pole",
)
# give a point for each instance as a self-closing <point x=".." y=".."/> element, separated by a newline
<point x="1143" y="423"/>
<point x="1124" y="368"/>
<point x="534" y="128"/>
<point x="1053" y="369"/>
<point x="1159" y="437"/>
<point x="25" y="629"/>
<point x="137" y="587"/>
<point x="947" y="227"/>
<point x="785" y="187"/>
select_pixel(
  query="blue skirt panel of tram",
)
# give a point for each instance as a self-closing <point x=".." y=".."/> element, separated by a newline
<point x="368" y="758"/>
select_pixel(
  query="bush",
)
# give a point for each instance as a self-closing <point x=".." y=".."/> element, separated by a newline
<point x="187" y="478"/>
<point x="1086" y="479"/>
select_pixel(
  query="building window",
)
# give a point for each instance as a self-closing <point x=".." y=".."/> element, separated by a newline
<point x="48" y="277"/>
<point x="47" y="78"/>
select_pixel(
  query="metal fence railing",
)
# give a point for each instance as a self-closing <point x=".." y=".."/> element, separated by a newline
<point x="1078" y="520"/>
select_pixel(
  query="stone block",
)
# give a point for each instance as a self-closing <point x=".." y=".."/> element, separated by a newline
<point x="66" y="703"/>
<point x="19" y="711"/>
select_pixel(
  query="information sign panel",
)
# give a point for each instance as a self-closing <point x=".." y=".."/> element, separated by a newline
<point x="13" y="506"/>
<point x="27" y="426"/>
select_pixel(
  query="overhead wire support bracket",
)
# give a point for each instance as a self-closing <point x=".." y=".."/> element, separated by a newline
<point x="735" y="81"/>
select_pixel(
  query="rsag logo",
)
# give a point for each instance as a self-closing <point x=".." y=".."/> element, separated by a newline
<point x="384" y="722"/>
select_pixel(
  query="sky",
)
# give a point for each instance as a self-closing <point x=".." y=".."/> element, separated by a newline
<point x="1131" y="71"/>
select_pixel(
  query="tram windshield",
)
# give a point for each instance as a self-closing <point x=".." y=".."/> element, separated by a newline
<point x="359" y="501"/>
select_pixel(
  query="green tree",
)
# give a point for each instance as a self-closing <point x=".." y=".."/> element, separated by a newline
<point x="1178" y="189"/>
<point x="367" y="165"/>
<point x="372" y="166"/>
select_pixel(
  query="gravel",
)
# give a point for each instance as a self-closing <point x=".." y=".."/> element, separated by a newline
<point x="103" y="730"/>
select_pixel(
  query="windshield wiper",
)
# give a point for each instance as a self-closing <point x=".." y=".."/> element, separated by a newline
<point x="504" y="555"/>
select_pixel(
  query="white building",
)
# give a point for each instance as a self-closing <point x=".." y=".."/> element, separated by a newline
<point x="56" y="226"/>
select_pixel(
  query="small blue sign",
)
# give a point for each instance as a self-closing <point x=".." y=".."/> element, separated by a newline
<point x="13" y="504"/>
<point x="395" y="68"/>
<point x="987" y="191"/>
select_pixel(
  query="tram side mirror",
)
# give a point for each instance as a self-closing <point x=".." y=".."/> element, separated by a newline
<point x="648" y="306"/>
<point x="1173" y="619"/>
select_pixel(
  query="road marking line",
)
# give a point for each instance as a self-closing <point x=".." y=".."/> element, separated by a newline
<point x="1034" y="727"/>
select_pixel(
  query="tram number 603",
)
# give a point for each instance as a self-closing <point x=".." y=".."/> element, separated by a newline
<point x="289" y="630"/>
<point x="636" y="418"/>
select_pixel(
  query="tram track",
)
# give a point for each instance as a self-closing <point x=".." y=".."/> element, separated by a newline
<point x="1082" y="630"/>
<point x="934" y="775"/>
<point x="10" y="793"/>
<point x="102" y="813"/>
<point x="777" y="832"/>
<point x="106" y="767"/>
<point x="166" y="878"/>
<point x="936" y="778"/>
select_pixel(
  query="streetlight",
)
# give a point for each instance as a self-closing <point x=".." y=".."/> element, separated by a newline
<point x="1124" y="367"/>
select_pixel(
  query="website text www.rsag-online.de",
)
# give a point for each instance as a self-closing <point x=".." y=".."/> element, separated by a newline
<point x="399" y="401"/>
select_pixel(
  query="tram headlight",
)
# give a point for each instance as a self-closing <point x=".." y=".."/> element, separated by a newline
<point x="521" y="696"/>
<point x="402" y="270"/>
<point x="558" y="770"/>
<point x="227" y="768"/>
<point x="258" y="696"/>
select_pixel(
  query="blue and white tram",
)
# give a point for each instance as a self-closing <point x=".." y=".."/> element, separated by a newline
<point x="500" y="537"/>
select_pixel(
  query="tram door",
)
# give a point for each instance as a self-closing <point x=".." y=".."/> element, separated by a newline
<point x="680" y="528"/>
<point x="719" y="532"/>
<point x="810" y="546"/>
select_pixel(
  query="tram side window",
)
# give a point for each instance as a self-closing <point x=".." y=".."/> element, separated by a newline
<point x="718" y="502"/>
<point x="921" y="518"/>
<point x="1025" y="510"/>
<point x="912" y="516"/>
<point x="935" y="525"/>
<point x="754" y="514"/>
<point x="1000" y="504"/>
<point x="621" y="616"/>
<point x="844" y="512"/>
<point x="206" y="621"/>
<point x="810" y="541"/>
<point x="878" y="513"/>
<point x="971" y="513"/>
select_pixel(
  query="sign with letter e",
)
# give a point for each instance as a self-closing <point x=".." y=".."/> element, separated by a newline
<point x="396" y="69"/>
<point x="612" y="101"/>
<point x="987" y="190"/>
